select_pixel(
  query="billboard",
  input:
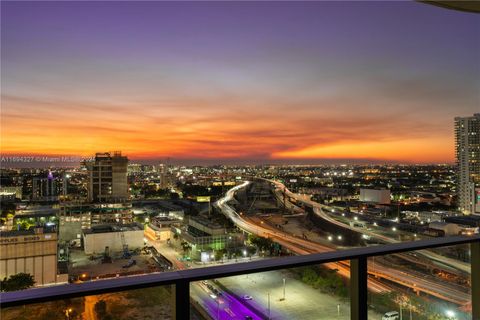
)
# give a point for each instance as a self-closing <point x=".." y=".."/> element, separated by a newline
<point x="203" y="199"/>
<point x="375" y="195"/>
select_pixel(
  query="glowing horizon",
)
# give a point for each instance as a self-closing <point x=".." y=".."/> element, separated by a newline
<point x="252" y="81"/>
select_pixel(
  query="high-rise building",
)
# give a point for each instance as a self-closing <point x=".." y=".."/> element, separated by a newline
<point x="467" y="151"/>
<point x="162" y="170"/>
<point x="107" y="177"/>
<point x="45" y="188"/>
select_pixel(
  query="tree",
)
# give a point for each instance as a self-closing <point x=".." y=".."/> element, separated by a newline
<point x="19" y="281"/>
<point x="309" y="276"/>
<point x="100" y="309"/>
<point x="261" y="243"/>
<point x="251" y="251"/>
<point x="186" y="247"/>
<point x="24" y="225"/>
<point x="219" y="254"/>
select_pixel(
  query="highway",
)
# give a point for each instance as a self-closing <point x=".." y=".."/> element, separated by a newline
<point x="294" y="244"/>
<point x="318" y="210"/>
<point x="425" y="257"/>
<point x="301" y="246"/>
<point x="416" y="283"/>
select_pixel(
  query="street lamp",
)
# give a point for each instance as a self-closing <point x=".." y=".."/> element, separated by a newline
<point x="330" y="238"/>
<point x="68" y="312"/>
<point x="450" y="314"/>
<point x="339" y="237"/>
<point x="268" y="305"/>
<point x="284" y="285"/>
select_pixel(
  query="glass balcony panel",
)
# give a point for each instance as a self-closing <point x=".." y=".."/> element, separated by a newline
<point x="423" y="285"/>
<point x="312" y="292"/>
<point x="148" y="303"/>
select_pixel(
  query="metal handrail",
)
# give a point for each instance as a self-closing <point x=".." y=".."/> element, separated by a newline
<point x="182" y="278"/>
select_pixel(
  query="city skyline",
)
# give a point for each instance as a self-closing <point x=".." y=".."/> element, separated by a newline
<point x="240" y="160"/>
<point x="238" y="82"/>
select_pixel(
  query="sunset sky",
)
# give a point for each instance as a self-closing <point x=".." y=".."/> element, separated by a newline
<point x="252" y="81"/>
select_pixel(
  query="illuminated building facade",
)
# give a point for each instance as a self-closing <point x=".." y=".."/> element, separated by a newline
<point x="31" y="251"/>
<point x="467" y="152"/>
<point x="107" y="177"/>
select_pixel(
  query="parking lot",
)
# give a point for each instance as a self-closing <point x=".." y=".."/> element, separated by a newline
<point x="87" y="267"/>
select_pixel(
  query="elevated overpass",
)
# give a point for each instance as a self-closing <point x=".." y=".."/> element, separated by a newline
<point x="318" y="214"/>
<point x="300" y="246"/>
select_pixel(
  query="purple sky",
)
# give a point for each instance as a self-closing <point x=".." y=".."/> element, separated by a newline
<point x="243" y="80"/>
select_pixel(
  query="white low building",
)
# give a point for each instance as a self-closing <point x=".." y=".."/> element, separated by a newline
<point x="113" y="236"/>
<point x="450" y="229"/>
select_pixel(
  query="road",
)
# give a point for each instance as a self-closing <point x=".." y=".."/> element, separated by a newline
<point x="222" y="307"/>
<point x="301" y="246"/>
<point x="89" y="312"/>
<point x="318" y="210"/>
<point x="446" y="263"/>
<point x="294" y="244"/>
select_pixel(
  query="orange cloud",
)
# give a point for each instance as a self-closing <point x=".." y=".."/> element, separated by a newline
<point x="203" y="129"/>
<point x="405" y="150"/>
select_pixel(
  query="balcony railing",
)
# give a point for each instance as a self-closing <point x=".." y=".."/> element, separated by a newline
<point x="181" y="279"/>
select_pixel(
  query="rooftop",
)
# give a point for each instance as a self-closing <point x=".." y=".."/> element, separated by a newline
<point x="105" y="228"/>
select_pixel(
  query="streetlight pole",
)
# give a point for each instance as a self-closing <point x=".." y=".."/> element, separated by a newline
<point x="268" y="305"/>
<point x="284" y="285"/>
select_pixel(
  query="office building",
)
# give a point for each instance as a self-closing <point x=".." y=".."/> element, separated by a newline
<point x="75" y="217"/>
<point x="160" y="228"/>
<point x="10" y="193"/>
<point x="164" y="176"/>
<point x="380" y="196"/>
<point x="31" y="251"/>
<point x="107" y="177"/>
<point x="45" y="188"/>
<point x="467" y="151"/>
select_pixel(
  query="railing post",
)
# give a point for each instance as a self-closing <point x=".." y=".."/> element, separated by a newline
<point x="475" y="272"/>
<point x="358" y="292"/>
<point x="181" y="303"/>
